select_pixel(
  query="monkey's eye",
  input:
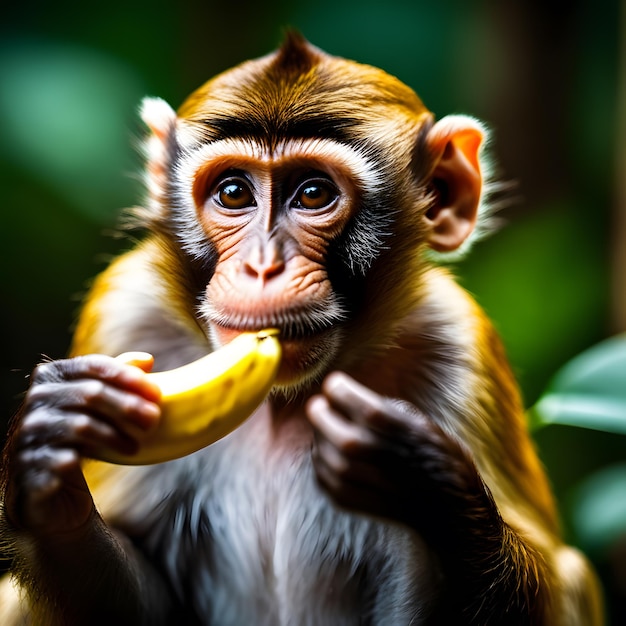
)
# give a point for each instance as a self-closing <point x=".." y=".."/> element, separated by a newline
<point x="314" y="195"/>
<point x="234" y="194"/>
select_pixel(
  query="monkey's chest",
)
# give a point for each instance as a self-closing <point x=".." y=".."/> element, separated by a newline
<point x="274" y="550"/>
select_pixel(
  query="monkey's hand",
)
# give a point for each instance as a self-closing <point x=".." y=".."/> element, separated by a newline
<point x="73" y="407"/>
<point x="384" y="458"/>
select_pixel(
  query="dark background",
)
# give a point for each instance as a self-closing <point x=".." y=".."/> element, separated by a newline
<point x="547" y="76"/>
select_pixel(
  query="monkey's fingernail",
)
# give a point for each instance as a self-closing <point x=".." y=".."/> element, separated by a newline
<point x="148" y="415"/>
<point x="336" y="381"/>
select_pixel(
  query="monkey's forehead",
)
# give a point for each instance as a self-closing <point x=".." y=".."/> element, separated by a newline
<point x="300" y="90"/>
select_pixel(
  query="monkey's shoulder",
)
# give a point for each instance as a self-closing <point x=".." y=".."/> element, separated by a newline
<point x="134" y="305"/>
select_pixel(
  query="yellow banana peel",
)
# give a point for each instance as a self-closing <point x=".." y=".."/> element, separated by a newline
<point x="205" y="400"/>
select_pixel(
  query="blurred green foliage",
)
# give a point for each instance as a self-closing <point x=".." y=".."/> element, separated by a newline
<point x="600" y="491"/>
<point x="544" y="76"/>
<point x="589" y="391"/>
<point x="65" y="122"/>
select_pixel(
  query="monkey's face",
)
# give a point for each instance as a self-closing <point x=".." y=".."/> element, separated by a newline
<point x="274" y="218"/>
<point x="300" y="183"/>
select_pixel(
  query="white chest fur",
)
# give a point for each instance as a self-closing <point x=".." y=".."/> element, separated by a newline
<point x="256" y="541"/>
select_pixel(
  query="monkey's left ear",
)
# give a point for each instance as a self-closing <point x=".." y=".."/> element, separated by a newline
<point x="457" y="181"/>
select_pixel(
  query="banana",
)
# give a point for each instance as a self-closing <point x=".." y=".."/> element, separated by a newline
<point x="205" y="400"/>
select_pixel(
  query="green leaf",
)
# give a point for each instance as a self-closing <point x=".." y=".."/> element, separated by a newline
<point x="598" y="509"/>
<point x="588" y="392"/>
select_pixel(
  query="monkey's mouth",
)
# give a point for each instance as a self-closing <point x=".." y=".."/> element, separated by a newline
<point x="309" y="337"/>
<point x="286" y="332"/>
<point x="304" y="324"/>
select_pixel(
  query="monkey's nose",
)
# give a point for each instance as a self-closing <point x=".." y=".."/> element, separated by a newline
<point x="264" y="271"/>
<point x="264" y="262"/>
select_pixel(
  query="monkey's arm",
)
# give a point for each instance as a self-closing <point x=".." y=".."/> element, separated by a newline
<point x="376" y="456"/>
<point x="73" y="567"/>
<point x="94" y="576"/>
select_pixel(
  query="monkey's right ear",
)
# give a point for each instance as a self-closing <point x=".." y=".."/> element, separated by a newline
<point x="159" y="150"/>
<point x="457" y="181"/>
<point x="158" y="116"/>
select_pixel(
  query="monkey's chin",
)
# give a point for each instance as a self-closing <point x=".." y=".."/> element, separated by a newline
<point x="305" y="359"/>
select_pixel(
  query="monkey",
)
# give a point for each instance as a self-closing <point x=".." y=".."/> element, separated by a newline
<point x="389" y="478"/>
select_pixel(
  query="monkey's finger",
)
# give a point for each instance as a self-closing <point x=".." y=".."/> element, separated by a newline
<point x="62" y="429"/>
<point x="349" y="438"/>
<point x="371" y="473"/>
<point x="122" y="408"/>
<point x="104" y="368"/>
<point x="364" y="406"/>
<point x="42" y="468"/>
<point x="47" y="490"/>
